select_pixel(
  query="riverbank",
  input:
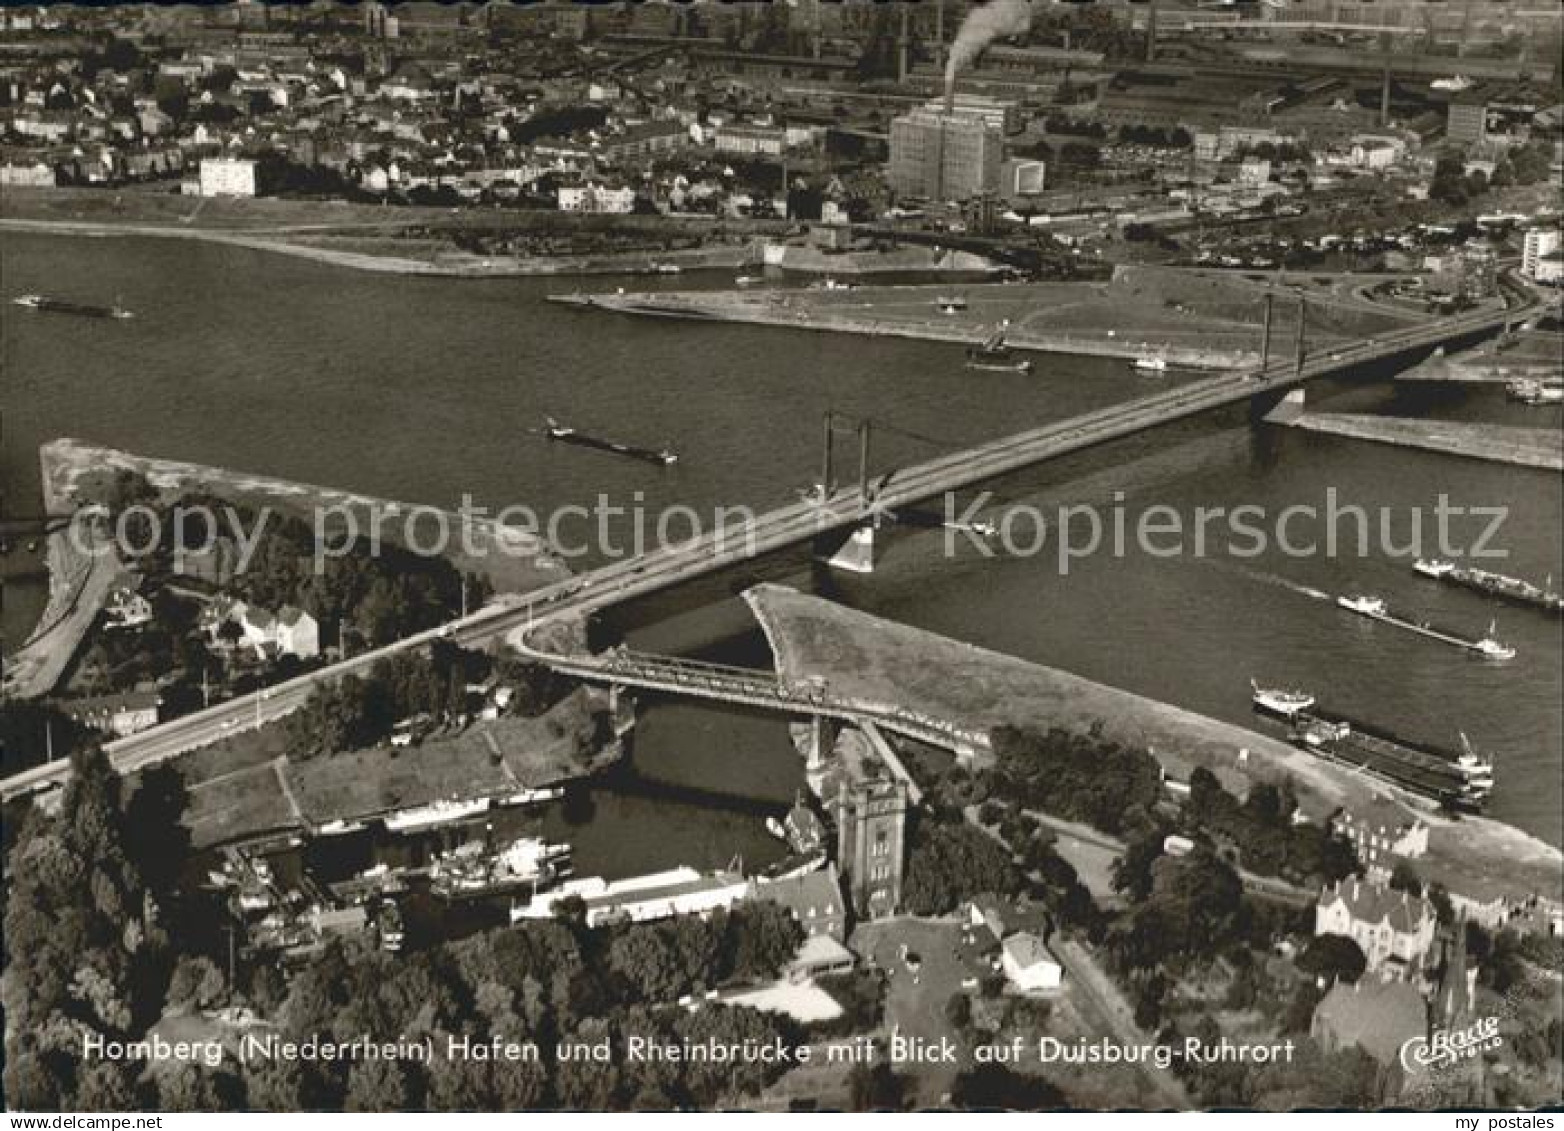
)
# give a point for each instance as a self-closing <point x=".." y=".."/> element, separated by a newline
<point x="1540" y="448"/>
<point x="1190" y="319"/>
<point x="385" y="254"/>
<point x="252" y="787"/>
<point x="861" y="655"/>
<point x="1478" y="368"/>
<point x="83" y="565"/>
<point x="512" y="559"/>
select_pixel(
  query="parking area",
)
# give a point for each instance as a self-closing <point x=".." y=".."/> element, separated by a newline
<point x="926" y="962"/>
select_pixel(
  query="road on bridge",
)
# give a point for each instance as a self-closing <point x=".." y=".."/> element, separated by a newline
<point x="777" y="529"/>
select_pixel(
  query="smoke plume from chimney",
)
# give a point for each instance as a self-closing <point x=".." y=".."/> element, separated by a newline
<point x="986" y="23"/>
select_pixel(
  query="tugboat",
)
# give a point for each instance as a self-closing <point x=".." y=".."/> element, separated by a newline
<point x="66" y="306"/>
<point x="1150" y="363"/>
<point x="994" y="356"/>
<point x="664" y="456"/>
<point x="1362" y="603"/>
<point x="1492" y="647"/>
<point x="1280" y="701"/>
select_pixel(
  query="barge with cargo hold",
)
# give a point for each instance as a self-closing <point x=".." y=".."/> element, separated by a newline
<point x="1511" y="589"/>
<point x="1488" y="646"/>
<point x="1457" y="779"/>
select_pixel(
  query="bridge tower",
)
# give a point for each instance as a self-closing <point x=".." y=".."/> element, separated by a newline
<point x="855" y="551"/>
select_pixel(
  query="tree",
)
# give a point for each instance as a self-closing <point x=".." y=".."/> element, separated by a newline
<point x="988" y="1086"/>
<point x="874" y="1087"/>
<point x="949" y="862"/>
<point x="193" y="1087"/>
<point x="196" y="983"/>
<point x="107" y="1085"/>
<point x="1333" y="958"/>
<point x="1404" y="877"/>
<point x="380" y="1085"/>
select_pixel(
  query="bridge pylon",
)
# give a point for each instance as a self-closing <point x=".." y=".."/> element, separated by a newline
<point x="856" y="553"/>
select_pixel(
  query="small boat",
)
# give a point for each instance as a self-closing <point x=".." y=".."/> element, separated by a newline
<point x="1362" y="603"/>
<point x="436" y="813"/>
<point x="776" y="828"/>
<point x="1492" y="647"/>
<point x="339" y="827"/>
<point x="830" y="284"/>
<point x="996" y="357"/>
<point x="666" y="269"/>
<point x="748" y="280"/>
<point x="1280" y="701"/>
<point x="1433" y="567"/>
<point x="533" y="796"/>
<point x="1150" y="363"/>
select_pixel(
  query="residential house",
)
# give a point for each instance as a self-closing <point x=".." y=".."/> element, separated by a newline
<point x="1394" y="928"/>
<point x="288" y="632"/>
<point x="814" y="899"/>
<point x="1028" y="964"/>
<point x="595" y="198"/>
<point x="121" y="714"/>
<point x="1382" y="833"/>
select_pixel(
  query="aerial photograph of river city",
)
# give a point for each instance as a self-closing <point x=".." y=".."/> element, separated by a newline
<point x="796" y="556"/>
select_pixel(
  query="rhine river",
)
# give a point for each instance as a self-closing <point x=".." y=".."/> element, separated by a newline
<point x="429" y="389"/>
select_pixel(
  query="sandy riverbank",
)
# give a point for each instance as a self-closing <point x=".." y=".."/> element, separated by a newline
<point x="1541" y="448"/>
<point x="441" y="262"/>
<point x="513" y="559"/>
<point x="1191" y="319"/>
<point x="83" y="566"/>
<point x="859" y="655"/>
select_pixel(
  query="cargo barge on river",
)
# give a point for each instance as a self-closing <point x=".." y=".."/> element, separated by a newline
<point x="1458" y="779"/>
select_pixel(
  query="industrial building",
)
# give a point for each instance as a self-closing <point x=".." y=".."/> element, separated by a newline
<point x="944" y="156"/>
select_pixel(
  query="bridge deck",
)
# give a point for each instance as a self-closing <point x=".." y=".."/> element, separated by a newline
<point x="778" y="529"/>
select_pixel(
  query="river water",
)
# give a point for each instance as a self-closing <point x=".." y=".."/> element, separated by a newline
<point x="428" y="390"/>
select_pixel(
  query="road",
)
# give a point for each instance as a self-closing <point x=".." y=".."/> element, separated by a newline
<point x="777" y="529"/>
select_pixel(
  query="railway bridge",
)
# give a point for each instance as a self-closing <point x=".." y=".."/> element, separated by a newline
<point x="814" y="700"/>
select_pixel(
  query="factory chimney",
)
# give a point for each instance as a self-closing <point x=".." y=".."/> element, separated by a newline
<point x="901" y="46"/>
